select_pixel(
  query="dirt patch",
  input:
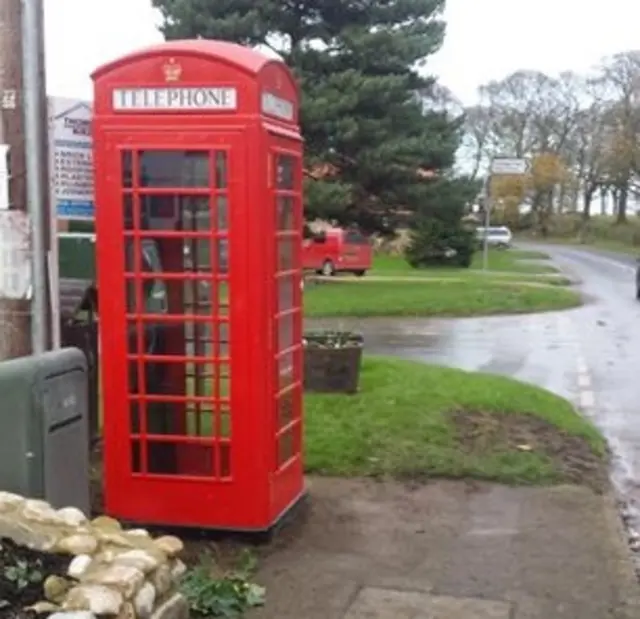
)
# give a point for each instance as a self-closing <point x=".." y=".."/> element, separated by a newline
<point x="575" y="461"/>
<point x="22" y="574"/>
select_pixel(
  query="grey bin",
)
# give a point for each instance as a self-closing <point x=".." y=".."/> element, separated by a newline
<point x="44" y="452"/>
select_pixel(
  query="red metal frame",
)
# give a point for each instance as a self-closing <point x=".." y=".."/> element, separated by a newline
<point x="201" y="322"/>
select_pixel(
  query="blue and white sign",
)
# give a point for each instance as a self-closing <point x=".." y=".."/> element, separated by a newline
<point x="71" y="158"/>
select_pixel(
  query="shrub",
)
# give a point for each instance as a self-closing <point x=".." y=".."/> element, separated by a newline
<point x="437" y="243"/>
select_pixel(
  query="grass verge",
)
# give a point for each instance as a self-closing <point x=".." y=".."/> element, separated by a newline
<point x="511" y="260"/>
<point x="412" y="420"/>
<point x="436" y="297"/>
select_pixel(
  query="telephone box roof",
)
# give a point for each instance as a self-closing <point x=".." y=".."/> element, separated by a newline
<point x="244" y="58"/>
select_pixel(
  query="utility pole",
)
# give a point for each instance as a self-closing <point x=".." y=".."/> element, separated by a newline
<point x="15" y="305"/>
<point x="37" y="168"/>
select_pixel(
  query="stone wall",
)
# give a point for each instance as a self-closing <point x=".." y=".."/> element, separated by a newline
<point x="112" y="571"/>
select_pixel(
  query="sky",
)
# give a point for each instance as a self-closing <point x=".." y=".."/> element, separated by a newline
<point x="486" y="39"/>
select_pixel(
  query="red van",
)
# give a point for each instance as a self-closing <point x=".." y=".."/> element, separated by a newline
<point x="337" y="251"/>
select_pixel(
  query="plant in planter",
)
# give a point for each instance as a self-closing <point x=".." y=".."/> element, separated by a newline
<point x="332" y="361"/>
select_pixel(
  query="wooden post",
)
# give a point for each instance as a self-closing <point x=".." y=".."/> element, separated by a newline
<point x="15" y="314"/>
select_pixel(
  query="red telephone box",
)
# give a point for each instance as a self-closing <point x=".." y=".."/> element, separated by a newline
<point x="199" y="224"/>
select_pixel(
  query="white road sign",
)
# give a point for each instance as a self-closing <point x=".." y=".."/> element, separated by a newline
<point x="507" y="166"/>
<point x="71" y="158"/>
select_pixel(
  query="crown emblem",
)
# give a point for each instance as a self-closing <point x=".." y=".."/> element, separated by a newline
<point x="172" y="70"/>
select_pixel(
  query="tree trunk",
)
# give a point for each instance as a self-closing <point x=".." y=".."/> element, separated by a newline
<point x="623" y="201"/>
<point x="587" y="198"/>
<point x="603" y="202"/>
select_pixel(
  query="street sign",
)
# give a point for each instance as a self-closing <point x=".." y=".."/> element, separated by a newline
<point x="71" y="160"/>
<point x="508" y="166"/>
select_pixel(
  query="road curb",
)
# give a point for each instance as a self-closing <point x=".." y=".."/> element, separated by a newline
<point x="622" y="564"/>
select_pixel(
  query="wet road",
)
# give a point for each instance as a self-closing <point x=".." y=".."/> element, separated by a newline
<point x="590" y="355"/>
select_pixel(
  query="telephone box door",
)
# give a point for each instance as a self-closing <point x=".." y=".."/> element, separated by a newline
<point x="174" y="282"/>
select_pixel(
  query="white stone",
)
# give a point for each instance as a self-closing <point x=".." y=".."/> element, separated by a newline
<point x="116" y="538"/>
<point x="72" y="614"/>
<point x="106" y="523"/>
<point x="144" y="600"/>
<point x="79" y="566"/>
<point x="40" y="608"/>
<point x="138" y="532"/>
<point x="39" y="511"/>
<point x="127" y="611"/>
<point x="99" y="599"/>
<point x="175" y="607"/>
<point x="125" y="578"/>
<point x="78" y="544"/>
<point x="72" y="516"/>
<point x="137" y="558"/>
<point x="178" y="569"/>
<point x="162" y="579"/>
<point x="9" y="501"/>
<point x="169" y="544"/>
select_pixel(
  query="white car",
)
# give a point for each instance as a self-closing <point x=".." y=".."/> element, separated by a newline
<point x="498" y="236"/>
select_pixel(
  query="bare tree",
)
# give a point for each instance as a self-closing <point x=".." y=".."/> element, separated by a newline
<point x="621" y="75"/>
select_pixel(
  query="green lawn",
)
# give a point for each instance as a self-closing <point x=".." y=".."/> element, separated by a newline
<point x="401" y="424"/>
<point x="510" y="260"/>
<point x="438" y="297"/>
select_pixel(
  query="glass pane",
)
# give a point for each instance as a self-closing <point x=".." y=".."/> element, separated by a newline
<point x="222" y="298"/>
<point x="222" y="206"/>
<point x="175" y="212"/>
<point x="128" y="221"/>
<point x="196" y="215"/>
<point x="285" y="408"/>
<point x="135" y="408"/>
<point x="132" y="338"/>
<point x="223" y="256"/>
<point x="131" y="302"/>
<point x="285" y="332"/>
<point x="285" y="293"/>
<point x="222" y="340"/>
<point x="173" y="168"/>
<point x="221" y="169"/>
<point x="158" y="338"/>
<point x="285" y="172"/>
<point x="285" y="370"/>
<point x="286" y="447"/>
<point x="197" y="295"/>
<point x="200" y="419"/>
<point x="197" y="255"/>
<point x="285" y="219"/>
<point x="285" y="254"/>
<point x="126" y="159"/>
<point x="136" y="457"/>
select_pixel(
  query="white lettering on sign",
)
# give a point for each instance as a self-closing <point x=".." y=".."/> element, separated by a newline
<point x="167" y="99"/>
<point x="275" y="106"/>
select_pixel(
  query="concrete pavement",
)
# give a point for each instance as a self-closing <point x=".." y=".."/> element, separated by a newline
<point x="450" y="550"/>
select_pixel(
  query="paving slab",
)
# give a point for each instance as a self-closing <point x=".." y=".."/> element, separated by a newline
<point x="365" y="549"/>
<point x="375" y="603"/>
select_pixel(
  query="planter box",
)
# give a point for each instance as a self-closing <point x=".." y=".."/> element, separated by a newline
<point x="331" y="367"/>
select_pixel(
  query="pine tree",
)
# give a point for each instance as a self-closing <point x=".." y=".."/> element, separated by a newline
<point x="357" y="63"/>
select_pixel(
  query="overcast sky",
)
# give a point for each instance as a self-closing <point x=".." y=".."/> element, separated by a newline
<point x="485" y="39"/>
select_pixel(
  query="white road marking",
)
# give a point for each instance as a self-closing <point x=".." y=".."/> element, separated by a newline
<point x="587" y="400"/>
<point x="584" y="381"/>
